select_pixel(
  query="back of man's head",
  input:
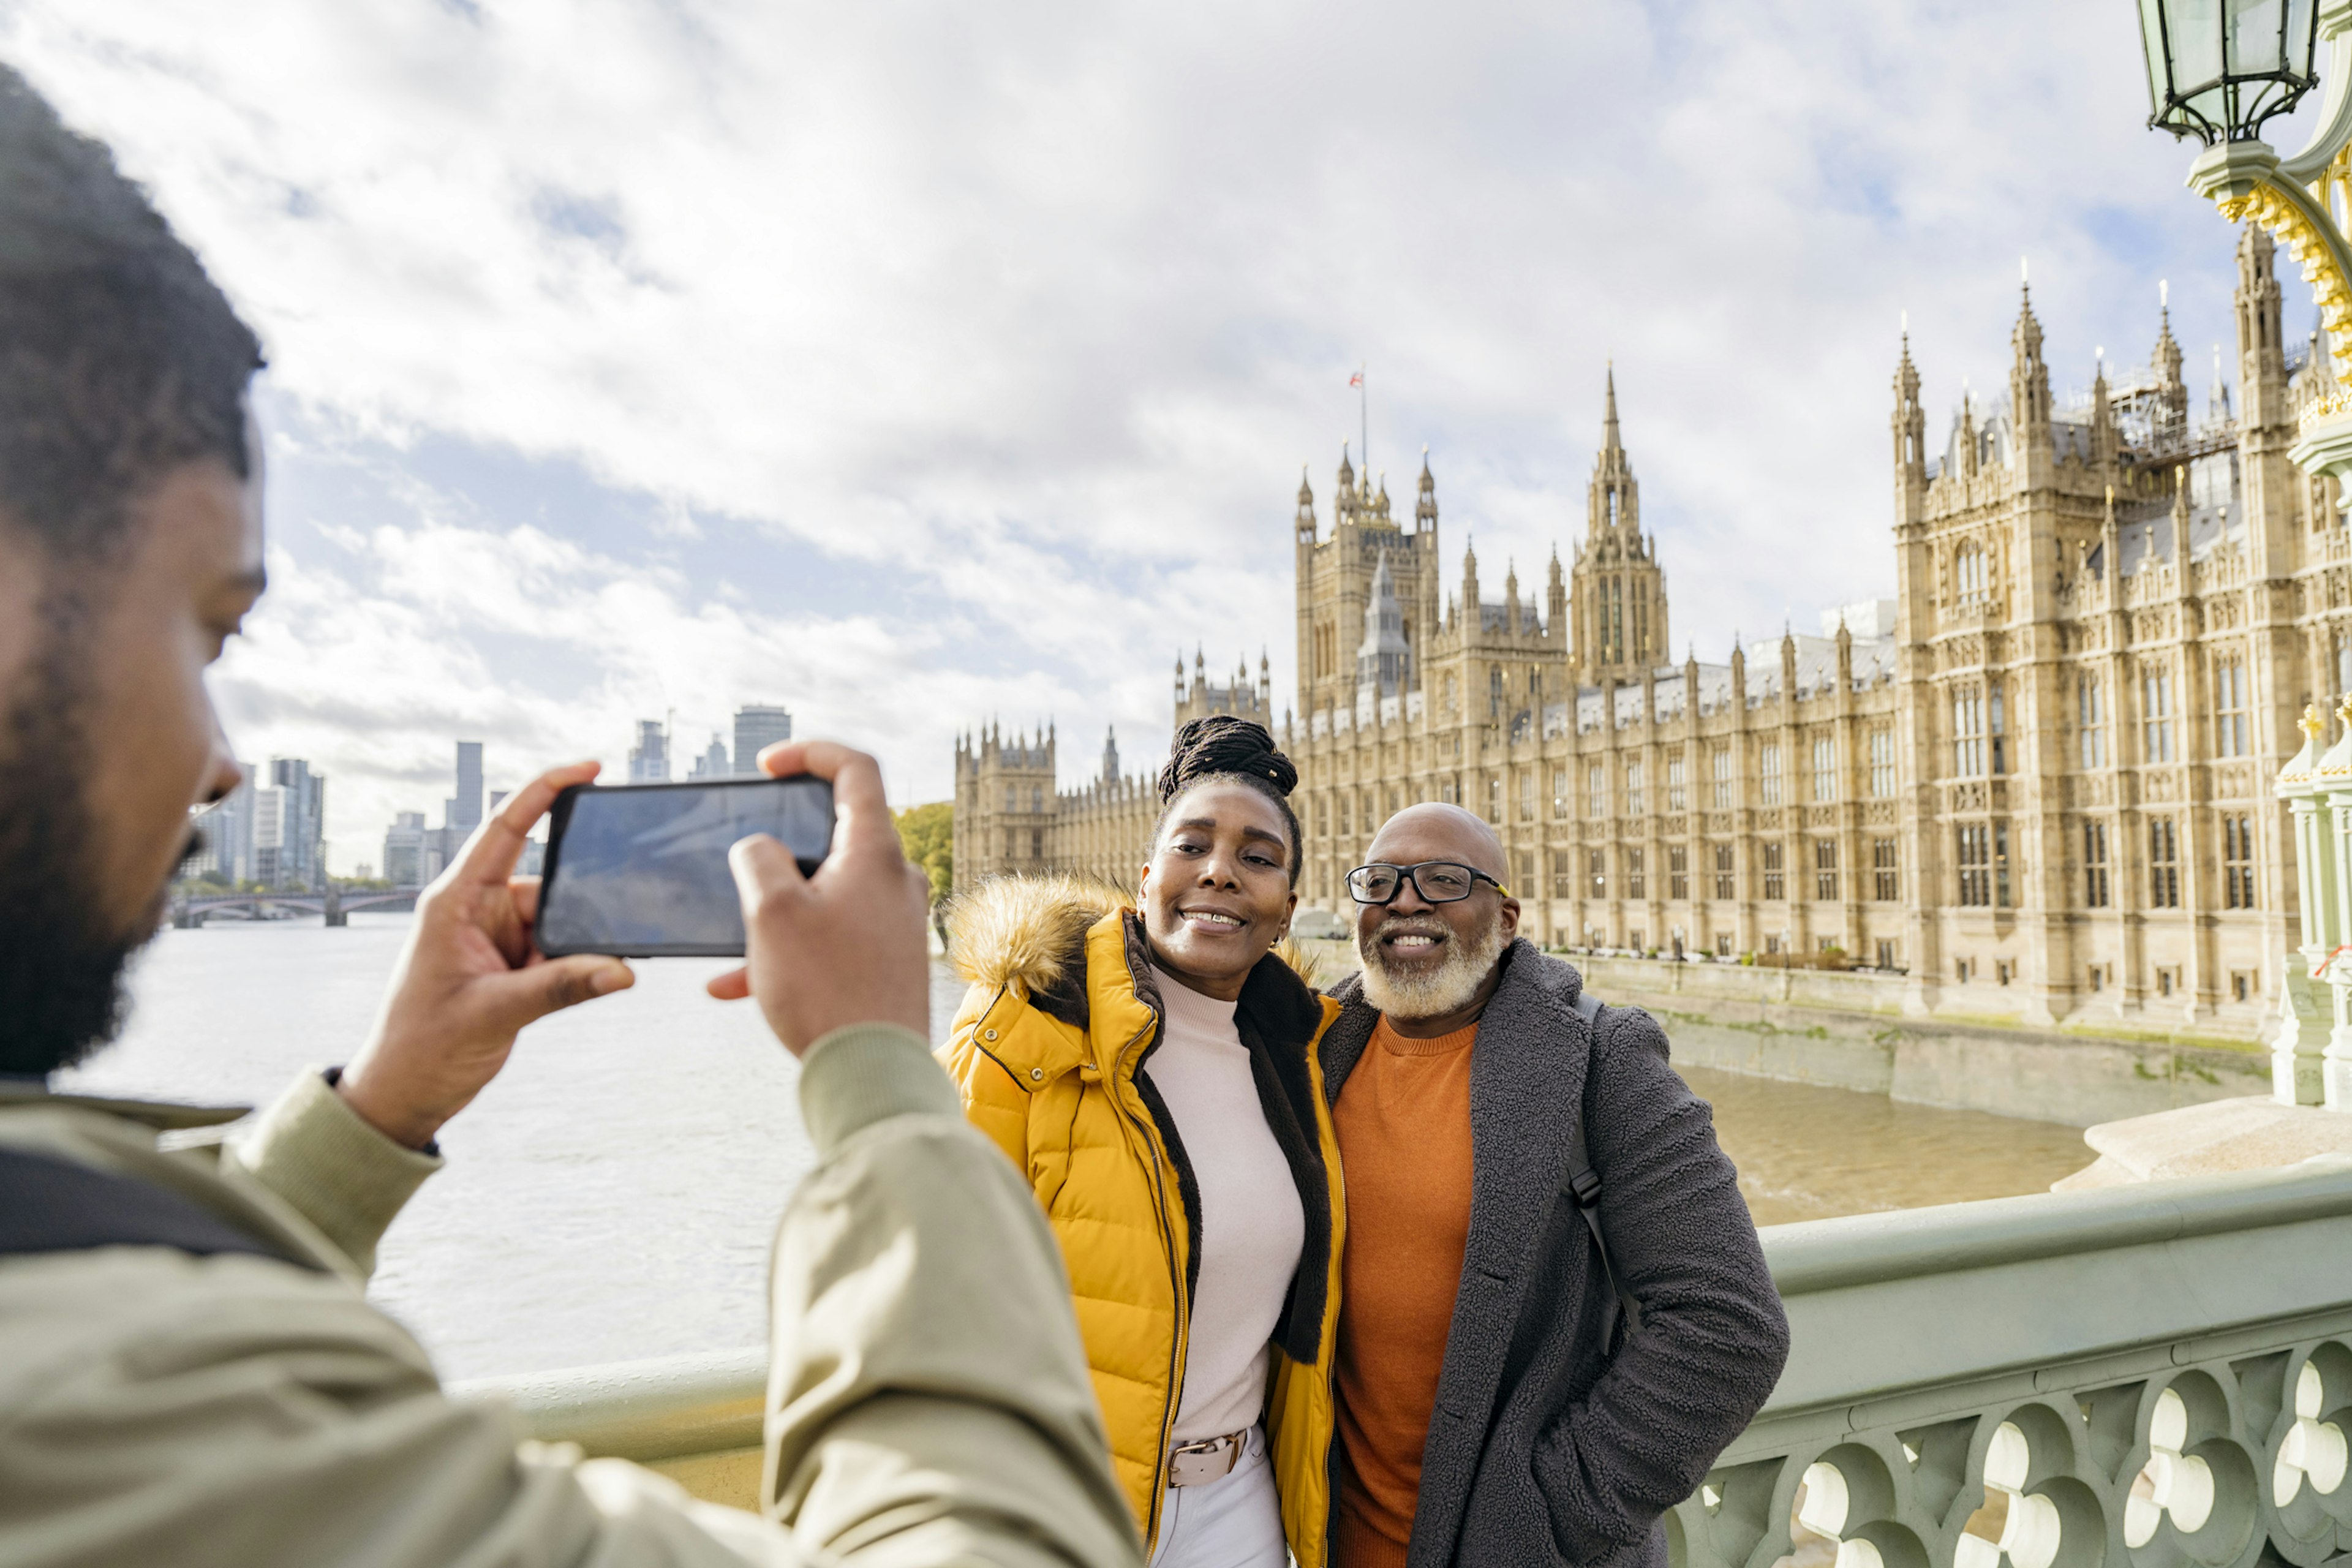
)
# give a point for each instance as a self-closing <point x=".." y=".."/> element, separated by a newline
<point x="120" y="360"/>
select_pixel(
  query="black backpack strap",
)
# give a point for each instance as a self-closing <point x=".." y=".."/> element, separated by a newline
<point x="1583" y="1190"/>
<point x="56" y="1206"/>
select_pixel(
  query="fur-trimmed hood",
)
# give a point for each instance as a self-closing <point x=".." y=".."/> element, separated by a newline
<point x="1029" y="932"/>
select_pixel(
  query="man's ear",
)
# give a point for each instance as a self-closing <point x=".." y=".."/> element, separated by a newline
<point x="1510" y="919"/>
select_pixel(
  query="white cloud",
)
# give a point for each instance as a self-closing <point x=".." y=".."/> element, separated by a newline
<point x="1039" y="308"/>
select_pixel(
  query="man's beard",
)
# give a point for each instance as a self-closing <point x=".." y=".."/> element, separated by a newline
<point x="61" y="969"/>
<point x="1450" y="987"/>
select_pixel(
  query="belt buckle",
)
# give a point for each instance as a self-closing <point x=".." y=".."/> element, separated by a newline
<point x="1210" y="1460"/>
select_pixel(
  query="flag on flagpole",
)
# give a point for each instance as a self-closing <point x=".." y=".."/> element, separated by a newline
<point x="1356" y="379"/>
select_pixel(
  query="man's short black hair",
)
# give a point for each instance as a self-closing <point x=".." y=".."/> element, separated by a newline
<point x="120" y="360"/>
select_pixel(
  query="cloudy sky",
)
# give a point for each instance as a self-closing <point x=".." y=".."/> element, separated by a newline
<point x="916" y="365"/>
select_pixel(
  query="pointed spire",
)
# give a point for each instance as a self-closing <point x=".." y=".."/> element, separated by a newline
<point x="1910" y="421"/>
<point x="2172" y="418"/>
<point x="1424" y="512"/>
<point x="2029" y="377"/>
<point x="1609" y="440"/>
<point x="2217" y="398"/>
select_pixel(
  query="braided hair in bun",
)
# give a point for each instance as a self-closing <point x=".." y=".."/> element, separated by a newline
<point x="1219" y="748"/>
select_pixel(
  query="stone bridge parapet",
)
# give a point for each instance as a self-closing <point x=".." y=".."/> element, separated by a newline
<point x="2151" y="1377"/>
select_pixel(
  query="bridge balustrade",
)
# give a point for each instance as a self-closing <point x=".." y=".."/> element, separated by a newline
<point x="2152" y="1377"/>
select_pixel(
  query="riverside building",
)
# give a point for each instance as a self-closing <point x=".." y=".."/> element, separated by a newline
<point x="2034" y="783"/>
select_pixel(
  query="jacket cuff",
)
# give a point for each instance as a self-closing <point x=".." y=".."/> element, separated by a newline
<point x="314" y="1151"/>
<point x="863" y="1073"/>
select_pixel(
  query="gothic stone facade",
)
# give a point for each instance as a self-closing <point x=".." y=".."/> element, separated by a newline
<point x="2035" y="781"/>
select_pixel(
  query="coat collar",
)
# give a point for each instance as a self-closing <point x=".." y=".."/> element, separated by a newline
<point x="1526" y="1092"/>
<point x="1526" y="1085"/>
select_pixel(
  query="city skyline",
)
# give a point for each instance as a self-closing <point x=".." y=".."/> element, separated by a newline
<point x="577" y="439"/>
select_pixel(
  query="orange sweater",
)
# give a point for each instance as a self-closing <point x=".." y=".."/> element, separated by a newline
<point x="1403" y="1124"/>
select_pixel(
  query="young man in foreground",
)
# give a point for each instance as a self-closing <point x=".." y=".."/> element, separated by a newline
<point x="189" y="1372"/>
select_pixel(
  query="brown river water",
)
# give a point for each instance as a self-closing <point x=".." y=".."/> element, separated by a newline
<point x="612" y="1195"/>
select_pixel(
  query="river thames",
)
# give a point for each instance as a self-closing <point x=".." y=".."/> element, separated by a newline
<point x="612" y="1195"/>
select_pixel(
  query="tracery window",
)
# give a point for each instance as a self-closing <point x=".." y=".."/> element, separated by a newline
<point x="1723" y="778"/>
<point x="1636" y="800"/>
<point x="1975" y="861"/>
<point x="1881" y="763"/>
<point x="2098" y="890"/>
<point x="1727" y="879"/>
<point x="1677" y="796"/>
<point x="1678" y="872"/>
<point x="1884" y="869"/>
<point x="1824" y="767"/>
<point x="2156" y="715"/>
<point x="1967" y="731"/>
<point x="1596" y="790"/>
<point x="1969" y="574"/>
<point x="2163" y="864"/>
<point x="1769" y="771"/>
<point x="2237" y="862"/>
<point x="2091" y="720"/>
<point x="1775" y="874"/>
<point x="2229" y="727"/>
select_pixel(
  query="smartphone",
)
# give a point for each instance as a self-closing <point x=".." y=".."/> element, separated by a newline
<point x="640" y="870"/>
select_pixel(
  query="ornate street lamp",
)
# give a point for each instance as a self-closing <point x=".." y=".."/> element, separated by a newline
<point x="2218" y="69"/>
<point x="2215" y="71"/>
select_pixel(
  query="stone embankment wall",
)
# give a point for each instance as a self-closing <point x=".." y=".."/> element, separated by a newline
<point x="1847" y="1031"/>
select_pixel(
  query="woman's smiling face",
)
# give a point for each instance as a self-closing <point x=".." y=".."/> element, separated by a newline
<point x="1217" y="893"/>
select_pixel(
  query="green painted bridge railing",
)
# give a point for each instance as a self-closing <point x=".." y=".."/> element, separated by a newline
<point x="2153" y="1376"/>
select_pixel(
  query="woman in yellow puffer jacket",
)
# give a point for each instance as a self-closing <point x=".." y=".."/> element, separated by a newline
<point x="1151" y="1070"/>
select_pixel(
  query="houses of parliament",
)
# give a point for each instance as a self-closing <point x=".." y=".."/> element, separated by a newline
<point x="2035" y="782"/>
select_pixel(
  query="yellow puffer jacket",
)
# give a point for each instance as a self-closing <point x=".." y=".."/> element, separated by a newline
<point x="1045" y="1050"/>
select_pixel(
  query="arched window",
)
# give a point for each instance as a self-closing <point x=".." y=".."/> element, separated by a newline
<point x="1495" y="692"/>
<point x="1969" y="573"/>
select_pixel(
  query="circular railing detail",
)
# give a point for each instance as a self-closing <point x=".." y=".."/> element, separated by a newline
<point x="2313" y="1453"/>
<point x="2223" y="1464"/>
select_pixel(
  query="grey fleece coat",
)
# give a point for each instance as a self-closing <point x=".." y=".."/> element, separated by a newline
<point x="1544" y="1449"/>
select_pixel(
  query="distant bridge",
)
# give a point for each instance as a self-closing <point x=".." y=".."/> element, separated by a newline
<point x="335" y="905"/>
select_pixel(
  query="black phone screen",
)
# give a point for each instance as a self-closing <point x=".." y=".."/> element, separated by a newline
<point x="640" y="870"/>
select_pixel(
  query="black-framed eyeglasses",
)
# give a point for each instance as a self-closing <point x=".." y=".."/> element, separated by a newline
<point x="1437" y="882"/>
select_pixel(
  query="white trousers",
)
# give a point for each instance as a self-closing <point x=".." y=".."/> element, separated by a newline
<point x="1234" y="1522"/>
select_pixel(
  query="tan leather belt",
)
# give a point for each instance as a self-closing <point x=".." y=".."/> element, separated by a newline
<point x="1210" y="1460"/>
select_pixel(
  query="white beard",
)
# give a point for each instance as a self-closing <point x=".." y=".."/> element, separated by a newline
<point x="1448" y="988"/>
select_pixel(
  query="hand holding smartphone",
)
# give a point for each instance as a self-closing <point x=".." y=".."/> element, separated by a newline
<point x="847" y="945"/>
<point x="641" y="870"/>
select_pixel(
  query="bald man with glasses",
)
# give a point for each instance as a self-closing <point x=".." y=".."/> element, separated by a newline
<point x="1555" y="1311"/>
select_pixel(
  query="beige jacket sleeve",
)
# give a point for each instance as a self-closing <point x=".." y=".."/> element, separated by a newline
<point x="929" y="1401"/>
